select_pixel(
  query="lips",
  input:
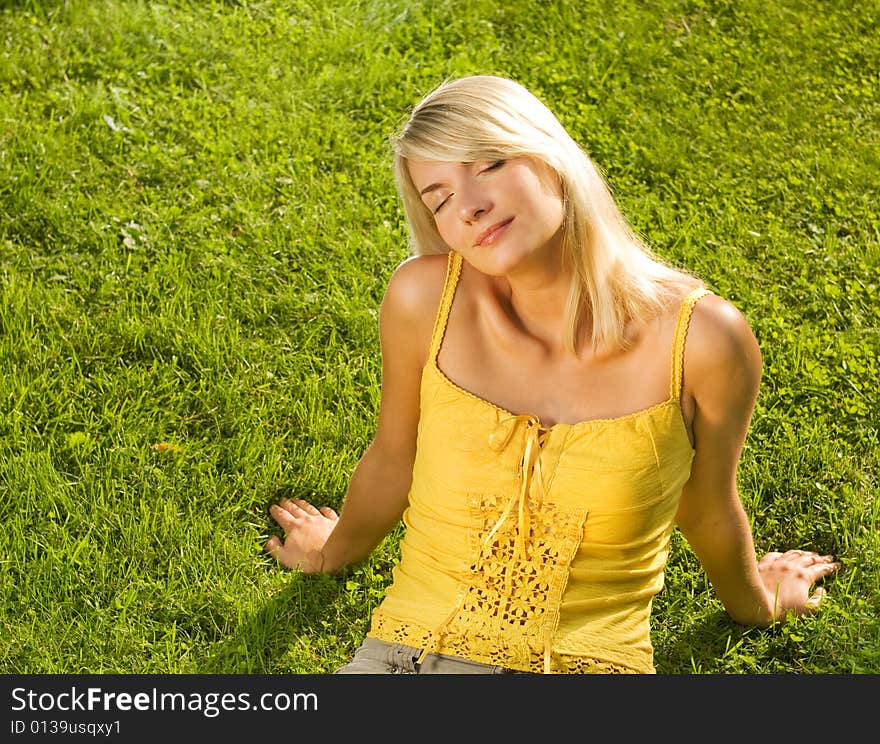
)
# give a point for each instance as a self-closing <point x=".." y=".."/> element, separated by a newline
<point x="491" y="234"/>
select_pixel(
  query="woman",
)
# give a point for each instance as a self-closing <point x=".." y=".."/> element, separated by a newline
<point x="543" y="425"/>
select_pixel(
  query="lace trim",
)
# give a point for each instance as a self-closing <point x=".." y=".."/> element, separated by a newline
<point x="450" y="284"/>
<point x="681" y="328"/>
<point x="486" y="651"/>
<point x="507" y="608"/>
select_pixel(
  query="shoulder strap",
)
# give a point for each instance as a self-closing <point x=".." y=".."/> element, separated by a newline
<point x="681" y="329"/>
<point x="453" y="271"/>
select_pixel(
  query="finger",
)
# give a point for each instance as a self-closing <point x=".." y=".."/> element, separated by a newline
<point x="273" y="545"/>
<point x="283" y="517"/>
<point x="825" y="559"/>
<point x="290" y="506"/>
<point x="800" y="558"/>
<point x="306" y="507"/>
<point x="797" y="556"/>
<point x="328" y="512"/>
<point x="275" y="548"/>
<point x="816" y="599"/>
<point x="818" y="570"/>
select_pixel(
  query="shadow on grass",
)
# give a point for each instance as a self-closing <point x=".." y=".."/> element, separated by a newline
<point x="288" y="634"/>
<point x="310" y="626"/>
<point x="698" y="649"/>
<point x="717" y="645"/>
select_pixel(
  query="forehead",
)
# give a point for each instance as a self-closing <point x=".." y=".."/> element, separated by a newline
<point x="427" y="172"/>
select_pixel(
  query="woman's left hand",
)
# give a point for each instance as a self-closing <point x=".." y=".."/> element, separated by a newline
<point x="789" y="578"/>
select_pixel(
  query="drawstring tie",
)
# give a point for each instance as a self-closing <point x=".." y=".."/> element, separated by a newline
<point x="530" y="486"/>
<point x="529" y="476"/>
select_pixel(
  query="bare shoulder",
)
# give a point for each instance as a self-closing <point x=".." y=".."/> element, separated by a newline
<point x="721" y="349"/>
<point x="719" y="328"/>
<point x="411" y="300"/>
<point x="413" y="292"/>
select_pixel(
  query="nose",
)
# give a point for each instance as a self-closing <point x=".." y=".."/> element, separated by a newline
<point x="473" y="204"/>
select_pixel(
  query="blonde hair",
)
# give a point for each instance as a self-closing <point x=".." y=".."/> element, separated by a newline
<point x="616" y="277"/>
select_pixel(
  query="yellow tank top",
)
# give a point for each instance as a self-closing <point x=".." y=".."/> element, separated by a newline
<point x="536" y="548"/>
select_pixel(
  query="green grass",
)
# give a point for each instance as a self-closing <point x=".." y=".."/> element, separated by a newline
<point x="197" y="221"/>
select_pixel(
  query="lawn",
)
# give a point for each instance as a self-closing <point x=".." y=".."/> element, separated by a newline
<point x="197" y="222"/>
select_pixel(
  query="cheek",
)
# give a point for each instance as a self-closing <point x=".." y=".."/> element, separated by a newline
<point x="445" y="229"/>
<point x="555" y="203"/>
<point x="545" y="200"/>
<point x="551" y="212"/>
<point x="559" y="208"/>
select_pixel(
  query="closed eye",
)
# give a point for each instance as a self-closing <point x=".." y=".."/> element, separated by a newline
<point x="491" y="167"/>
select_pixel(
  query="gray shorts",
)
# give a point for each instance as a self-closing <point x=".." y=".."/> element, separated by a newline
<point x="380" y="657"/>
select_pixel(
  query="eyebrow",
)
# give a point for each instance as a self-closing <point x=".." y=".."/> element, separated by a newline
<point x="434" y="186"/>
<point x="430" y="188"/>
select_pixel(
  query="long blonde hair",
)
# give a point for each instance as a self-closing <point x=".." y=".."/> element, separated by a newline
<point x="616" y="276"/>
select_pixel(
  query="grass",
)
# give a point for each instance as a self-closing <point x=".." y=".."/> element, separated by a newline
<point x="197" y="221"/>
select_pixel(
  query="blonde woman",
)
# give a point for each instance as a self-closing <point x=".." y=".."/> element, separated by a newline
<point x="555" y="400"/>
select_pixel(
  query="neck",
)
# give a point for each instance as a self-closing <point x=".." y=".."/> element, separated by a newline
<point x="535" y="297"/>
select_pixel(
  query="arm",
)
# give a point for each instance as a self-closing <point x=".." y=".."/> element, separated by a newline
<point x="317" y="540"/>
<point x="723" y="364"/>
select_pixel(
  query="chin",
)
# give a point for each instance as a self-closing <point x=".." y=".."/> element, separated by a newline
<point x="496" y="261"/>
<point x="490" y="265"/>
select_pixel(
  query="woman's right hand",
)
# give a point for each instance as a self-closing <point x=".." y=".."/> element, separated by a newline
<point x="306" y="529"/>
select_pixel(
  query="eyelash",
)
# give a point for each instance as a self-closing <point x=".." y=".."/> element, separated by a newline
<point x="494" y="166"/>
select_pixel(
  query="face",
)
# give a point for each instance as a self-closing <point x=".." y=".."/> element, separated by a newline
<point x="501" y="216"/>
